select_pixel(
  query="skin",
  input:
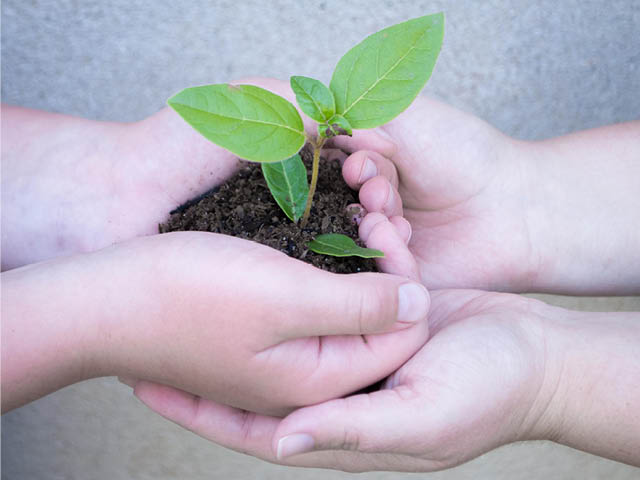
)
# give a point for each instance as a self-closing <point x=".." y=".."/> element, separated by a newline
<point x="114" y="299"/>
<point x="109" y="182"/>
<point x="486" y="211"/>
<point x="495" y="213"/>
<point x="166" y="308"/>
<point x="499" y="368"/>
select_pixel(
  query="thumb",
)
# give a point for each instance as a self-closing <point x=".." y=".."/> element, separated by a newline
<point x="380" y="422"/>
<point x="356" y="304"/>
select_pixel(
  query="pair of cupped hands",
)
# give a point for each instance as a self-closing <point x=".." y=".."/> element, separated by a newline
<point x="262" y="353"/>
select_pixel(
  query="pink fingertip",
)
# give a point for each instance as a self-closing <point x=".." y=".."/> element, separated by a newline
<point x="369" y="223"/>
<point x="403" y="227"/>
<point x="367" y="171"/>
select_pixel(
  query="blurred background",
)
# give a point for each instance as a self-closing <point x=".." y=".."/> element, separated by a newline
<point x="533" y="69"/>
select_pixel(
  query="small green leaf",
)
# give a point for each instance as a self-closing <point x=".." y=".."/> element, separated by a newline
<point x="249" y="121"/>
<point x="340" y="125"/>
<point x="379" y="78"/>
<point x="339" y="245"/>
<point x="314" y="98"/>
<point x="337" y="125"/>
<point x="287" y="181"/>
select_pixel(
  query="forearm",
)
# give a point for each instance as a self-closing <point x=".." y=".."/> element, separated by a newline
<point x="585" y="210"/>
<point x="50" y="328"/>
<point x="47" y="161"/>
<point x="595" y="405"/>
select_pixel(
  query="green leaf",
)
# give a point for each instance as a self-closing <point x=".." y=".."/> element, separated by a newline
<point x="314" y="98"/>
<point x="339" y="245"/>
<point x="340" y="125"/>
<point x="288" y="183"/>
<point x="336" y="125"/>
<point x="249" y="121"/>
<point x="379" y="78"/>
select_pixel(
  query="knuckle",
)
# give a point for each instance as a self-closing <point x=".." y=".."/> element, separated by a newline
<point x="368" y="309"/>
<point x="350" y="439"/>
<point x="246" y="420"/>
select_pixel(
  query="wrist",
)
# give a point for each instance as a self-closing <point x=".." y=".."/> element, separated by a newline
<point x="590" y="397"/>
<point x="551" y="236"/>
<point x="517" y="202"/>
<point x="50" y="329"/>
<point x="579" y="212"/>
<point x="545" y="415"/>
<point x="74" y="159"/>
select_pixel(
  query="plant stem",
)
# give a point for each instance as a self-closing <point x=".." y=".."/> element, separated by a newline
<point x="317" y="148"/>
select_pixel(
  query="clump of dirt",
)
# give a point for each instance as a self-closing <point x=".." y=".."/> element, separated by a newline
<point x="243" y="207"/>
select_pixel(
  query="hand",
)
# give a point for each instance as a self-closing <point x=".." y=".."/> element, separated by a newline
<point x="106" y="182"/>
<point x="498" y="368"/>
<point x="101" y="182"/>
<point x="478" y="383"/>
<point x="494" y="213"/>
<point x="460" y="184"/>
<point x="217" y="316"/>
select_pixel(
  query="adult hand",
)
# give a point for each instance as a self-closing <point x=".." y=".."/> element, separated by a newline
<point x="217" y="316"/>
<point x="498" y="368"/>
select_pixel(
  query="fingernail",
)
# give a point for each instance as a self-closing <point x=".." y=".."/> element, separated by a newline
<point x="368" y="171"/>
<point x="408" y="239"/>
<point x="294" y="444"/>
<point x="413" y="303"/>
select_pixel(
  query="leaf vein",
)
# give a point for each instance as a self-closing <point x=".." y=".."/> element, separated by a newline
<point x="385" y="74"/>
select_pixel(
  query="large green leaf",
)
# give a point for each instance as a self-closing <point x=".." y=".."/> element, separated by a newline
<point x="250" y="121"/>
<point x="314" y="98"/>
<point x="380" y="77"/>
<point x="288" y="183"/>
<point x="339" y="245"/>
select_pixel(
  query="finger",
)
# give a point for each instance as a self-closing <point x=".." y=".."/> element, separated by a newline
<point x="246" y="432"/>
<point x="374" y="140"/>
<point x="379" y="422"/>
<point x="378" y="195"/>
<point x="234" y="428"/>
<point x="357" y="304"/>
<point x="363" y="165"/>
<point x="378" y="232"/>
<point x="403" y="227"/>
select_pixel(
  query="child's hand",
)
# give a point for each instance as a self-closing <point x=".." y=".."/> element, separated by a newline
<point x="498" y="368"/>
<point x="217" y="316"/>
<point x="453" y="178"/>
<point x="84" y="185"/>
<point x="494" y="213"/>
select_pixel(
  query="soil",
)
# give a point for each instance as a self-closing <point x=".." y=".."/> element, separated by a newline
<point x="243" y="207"/>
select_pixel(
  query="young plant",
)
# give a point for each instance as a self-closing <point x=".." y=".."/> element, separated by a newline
<point x="373" y="83"/>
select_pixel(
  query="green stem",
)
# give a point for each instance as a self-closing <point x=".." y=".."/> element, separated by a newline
<point x="317" y="148"/>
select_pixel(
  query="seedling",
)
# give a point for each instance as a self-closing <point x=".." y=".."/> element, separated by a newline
<point x="373" y="83"/>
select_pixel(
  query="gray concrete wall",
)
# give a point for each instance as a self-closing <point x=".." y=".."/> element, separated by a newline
<point x="534" y="69"/>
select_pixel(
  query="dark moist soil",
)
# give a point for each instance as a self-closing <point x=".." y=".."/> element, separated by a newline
<point x="243" y="207"/>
